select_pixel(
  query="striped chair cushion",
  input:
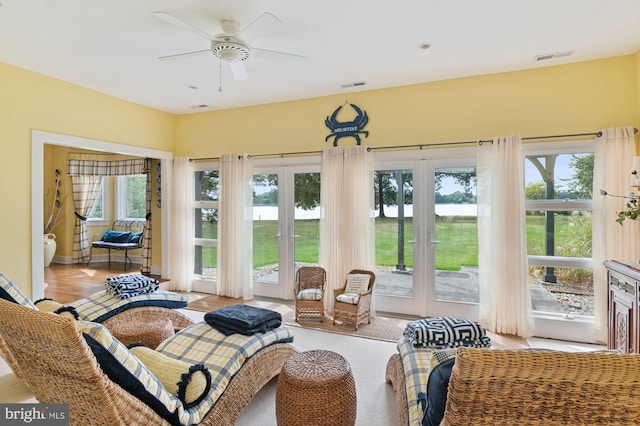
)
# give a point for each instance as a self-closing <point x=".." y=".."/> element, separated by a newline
<point x="10" y="292"/>
<point x="101" y="305"/>
<point x="417" y="364"/>
<point x="350" y="298"/>
<point x="310" y="294"/>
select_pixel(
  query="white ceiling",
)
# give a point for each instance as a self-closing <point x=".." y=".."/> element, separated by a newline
<point x="113" y="46"/>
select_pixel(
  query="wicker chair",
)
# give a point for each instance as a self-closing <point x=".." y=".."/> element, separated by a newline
<point x="534" y="387"/>
<point x="361" y="310"/>
<point x="66" y="371"/>
<point x="310" y="305"/>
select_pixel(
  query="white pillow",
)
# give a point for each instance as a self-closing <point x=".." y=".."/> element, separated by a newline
<point x="357" y="283"/>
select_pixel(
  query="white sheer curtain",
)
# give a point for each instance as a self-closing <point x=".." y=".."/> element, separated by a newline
<point x="505" y="301"/>
<point x="182" y="249"/>
<point x="235" y="227"/>
<point x="614" y="152"/>
<point x="346" y="215"/>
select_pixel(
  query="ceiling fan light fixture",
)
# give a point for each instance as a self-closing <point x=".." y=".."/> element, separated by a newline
<point x="230" y="51"/>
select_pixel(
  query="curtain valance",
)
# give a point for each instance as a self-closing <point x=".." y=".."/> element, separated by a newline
<point x="106" y="168"/>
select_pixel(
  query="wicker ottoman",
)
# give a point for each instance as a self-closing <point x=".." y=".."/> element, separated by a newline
<point x="316" y="388"/>
<point x="150" y="333"/>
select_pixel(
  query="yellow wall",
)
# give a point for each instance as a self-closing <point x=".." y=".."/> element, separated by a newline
<point x="580" y="97"/>
<point x="32" y="101"/>
<point x="573" y="98"/>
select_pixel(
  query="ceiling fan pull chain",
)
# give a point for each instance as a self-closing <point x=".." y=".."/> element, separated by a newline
<point x="220" y="62"/>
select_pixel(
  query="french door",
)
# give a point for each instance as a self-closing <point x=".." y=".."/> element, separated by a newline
<point x="426" y="237"/>
<point x="286" y="223"/>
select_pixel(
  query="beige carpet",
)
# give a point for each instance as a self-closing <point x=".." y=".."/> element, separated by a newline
<point x="381" y="328"/>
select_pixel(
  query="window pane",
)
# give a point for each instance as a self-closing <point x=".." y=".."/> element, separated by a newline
<point x="306" y="218"/>
<point x="206" y="227"/>
<point x="97" y="212"/>
<point x="136" y="197"/>
<point x="207" y="185"/>
<point x="559" y="176"/>
<point x="394" y="231"/>
<point x="559" y="233"/>
<point x="572" y="293"/>
<point x="265" y="228"/>
<point x="456" y="229"/>
<point x="206" y="261"/>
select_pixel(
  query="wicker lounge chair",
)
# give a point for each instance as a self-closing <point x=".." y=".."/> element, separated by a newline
<point x="65" y="370"/>
<point x="357" y="312"/>
<point x="96" y="309"/>
<point x="309" y="292"/>
<point x="534" y="387"/>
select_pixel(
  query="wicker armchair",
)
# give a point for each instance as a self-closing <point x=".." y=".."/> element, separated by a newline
<point x="533" y="387"/>
<point x="66" y="371"/>
<point x="310" y="302"/>
<point x="359" y="311"/>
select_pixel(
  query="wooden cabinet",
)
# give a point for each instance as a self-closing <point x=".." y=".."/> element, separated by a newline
<point x="624" y="330"/>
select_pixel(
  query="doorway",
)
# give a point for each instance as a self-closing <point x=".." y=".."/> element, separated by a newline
<point x="38" y="140"/>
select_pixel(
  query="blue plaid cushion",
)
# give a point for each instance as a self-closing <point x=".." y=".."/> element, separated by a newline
<point x="446" y="332"/>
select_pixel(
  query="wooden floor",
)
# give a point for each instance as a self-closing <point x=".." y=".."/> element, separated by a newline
<point x="67" y="283"/>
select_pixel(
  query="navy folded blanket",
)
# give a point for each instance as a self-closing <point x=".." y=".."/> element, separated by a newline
<point x="243" y="319"/>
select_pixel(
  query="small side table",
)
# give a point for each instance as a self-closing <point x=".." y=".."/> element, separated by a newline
<point x="316" y="388"/>
<point x="150" y="333"/>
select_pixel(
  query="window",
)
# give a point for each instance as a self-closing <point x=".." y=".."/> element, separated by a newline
<point x="558" y="187"/>
<point x="101" y="205"/>
<point x="207" y="185"/>
<point x="131" y="196"/>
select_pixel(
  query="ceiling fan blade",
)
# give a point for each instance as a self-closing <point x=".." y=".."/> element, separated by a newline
<point x="167" y="17"/>
<point x="281" y="57"/>
<point x="239" y="70"/>
<point x="261" y="26"/>
<point x="184" y="55"/>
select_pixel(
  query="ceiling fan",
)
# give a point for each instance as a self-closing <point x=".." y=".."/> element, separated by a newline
<point x="229" y="47"/>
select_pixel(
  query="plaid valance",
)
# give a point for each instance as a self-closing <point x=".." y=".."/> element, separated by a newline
<point x="106" y="168"/>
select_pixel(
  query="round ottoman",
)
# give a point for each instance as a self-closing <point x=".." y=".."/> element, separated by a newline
<point x="150" y="333"/>
<point x="316" y="388"/>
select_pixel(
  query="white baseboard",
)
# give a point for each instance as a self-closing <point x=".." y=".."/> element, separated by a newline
<point x="119" y="258"/>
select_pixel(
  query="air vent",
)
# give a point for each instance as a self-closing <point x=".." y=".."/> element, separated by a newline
<point x="200" y="106"/>
<point x="354" y="84"/>
<point x="549" y="56"/>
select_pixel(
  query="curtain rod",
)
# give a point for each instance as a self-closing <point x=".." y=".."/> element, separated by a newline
<point x="419" y="146"/>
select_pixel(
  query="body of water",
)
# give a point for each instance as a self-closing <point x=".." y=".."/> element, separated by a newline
<point x="271" y="212"/>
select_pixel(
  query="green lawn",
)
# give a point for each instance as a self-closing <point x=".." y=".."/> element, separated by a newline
<point x="458" y="236"/>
